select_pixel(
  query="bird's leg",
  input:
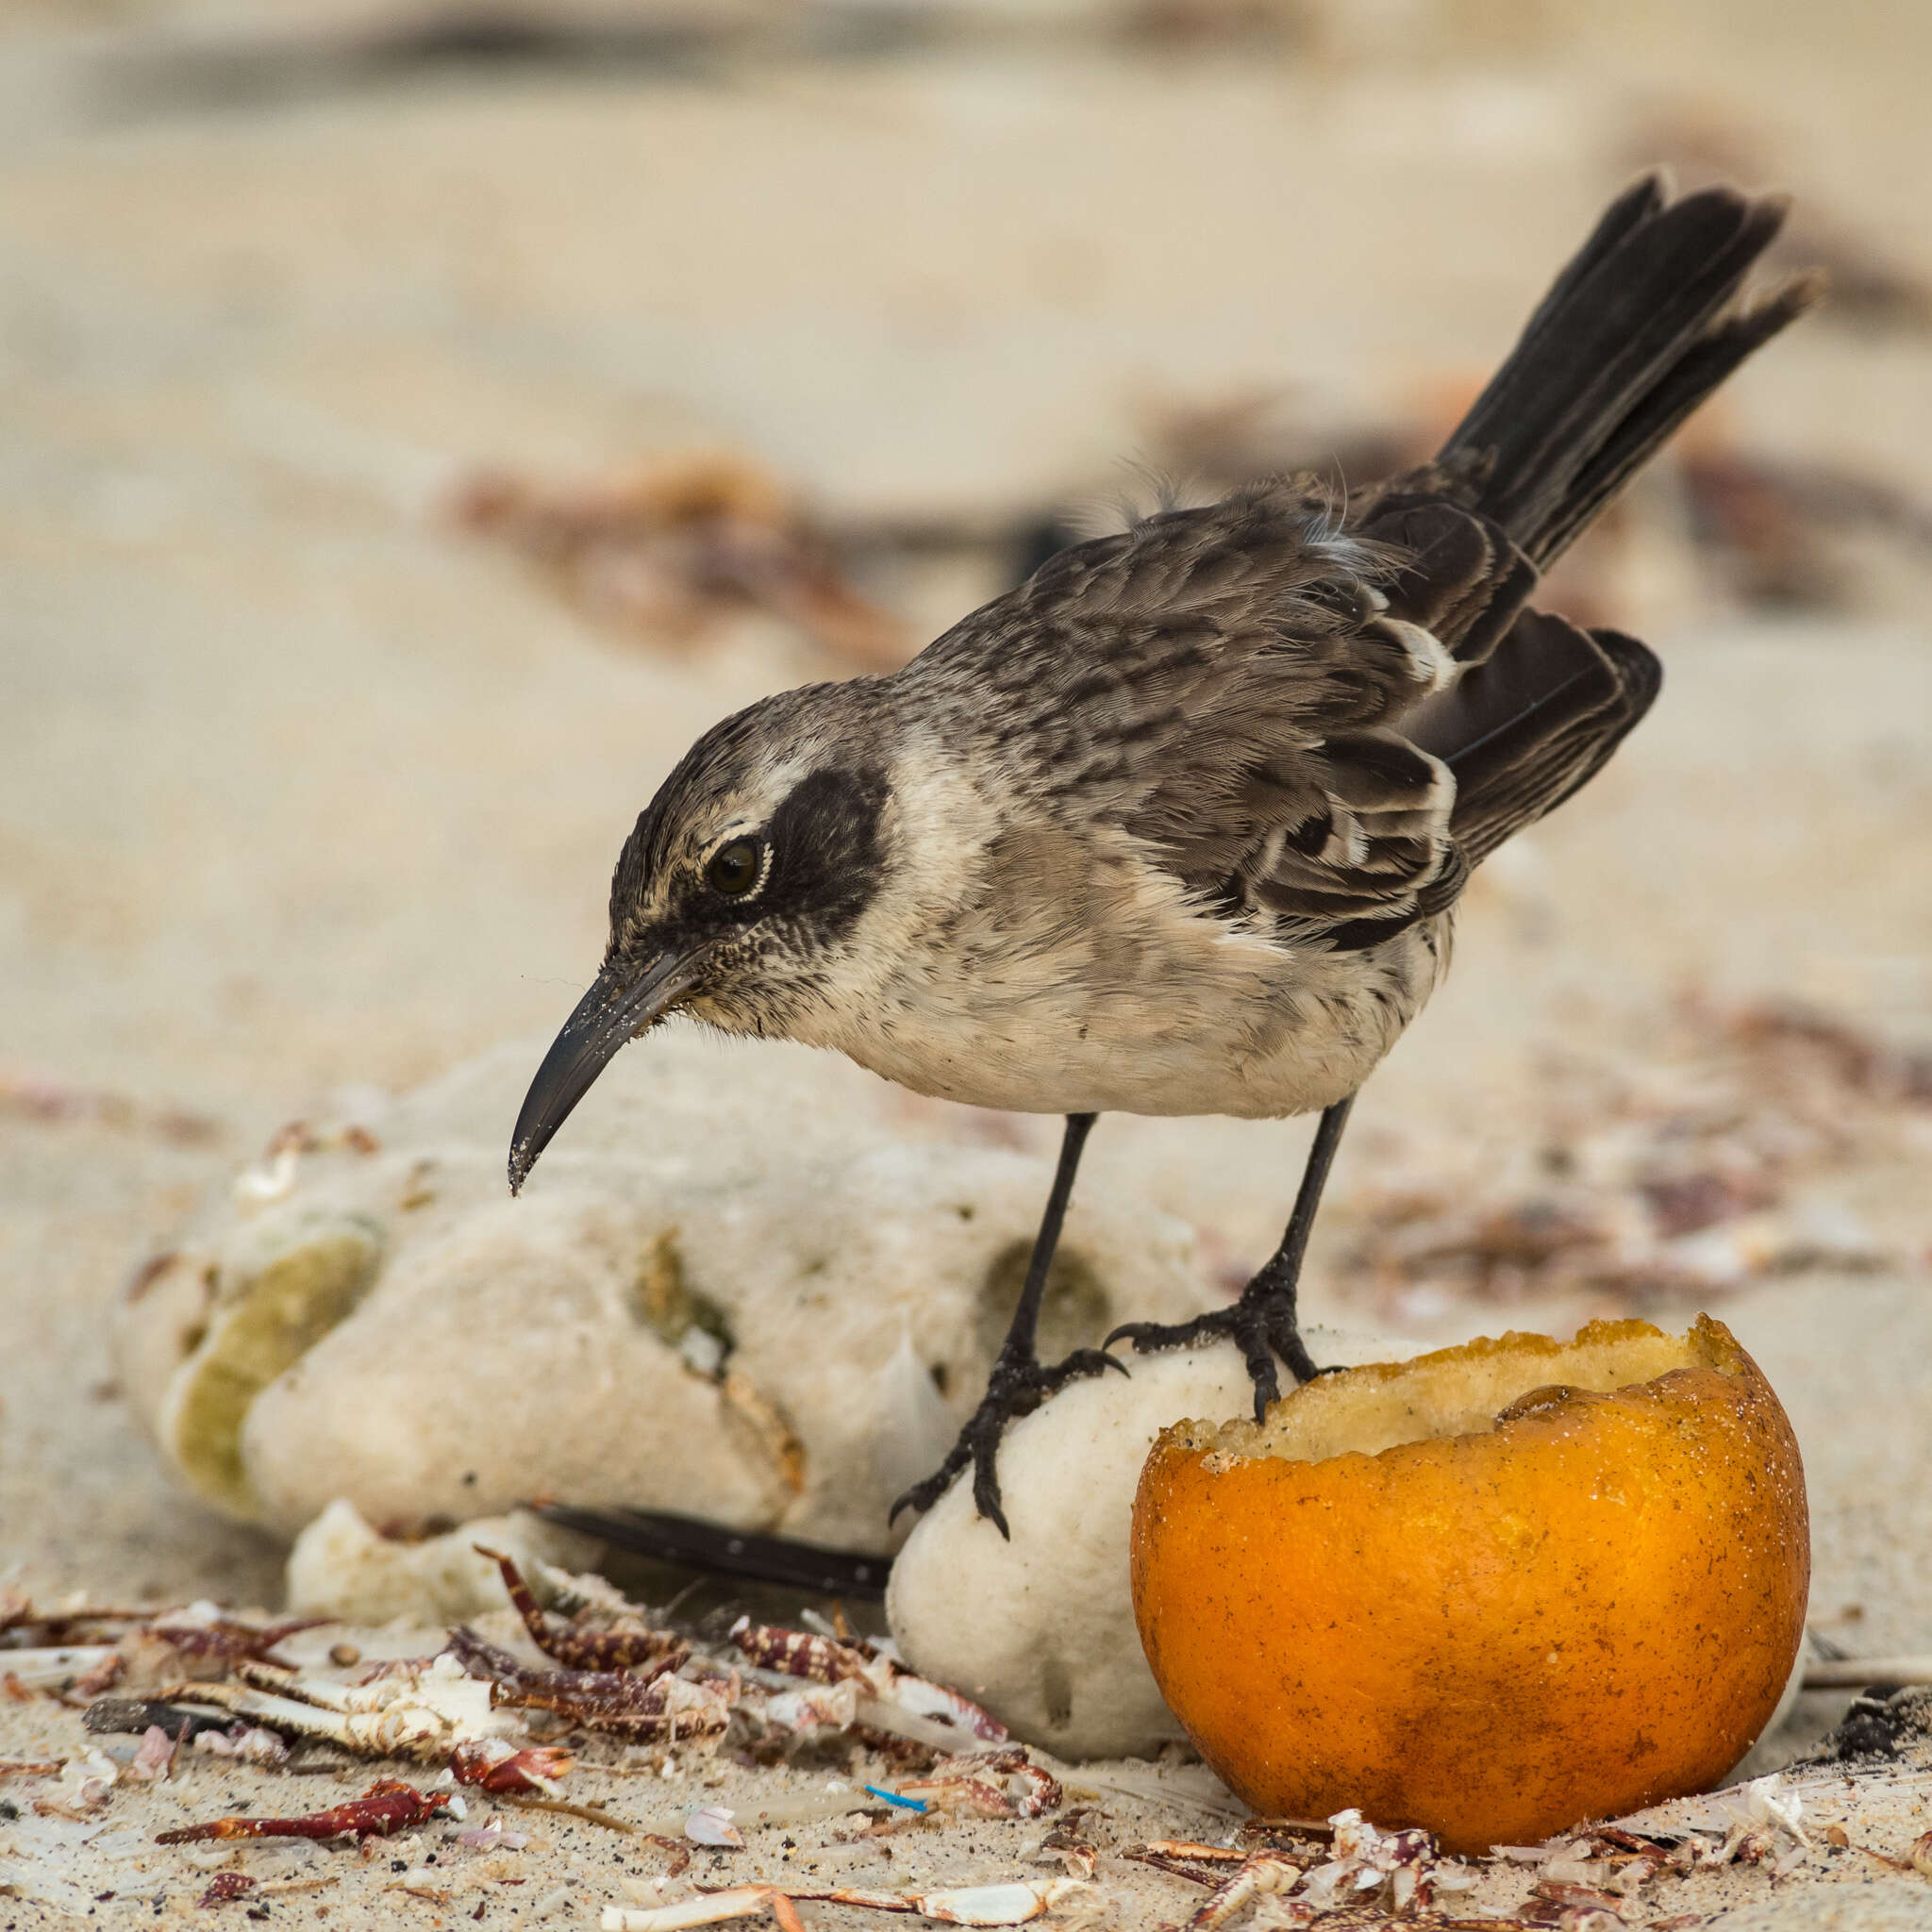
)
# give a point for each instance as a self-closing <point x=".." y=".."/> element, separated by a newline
<point x="1264" y="1321"/>
<point x="1017" y="1384"/>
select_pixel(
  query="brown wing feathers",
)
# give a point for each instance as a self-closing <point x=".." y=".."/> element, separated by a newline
<point x="1238" y="686"/>
<point x="1634" y="334"/>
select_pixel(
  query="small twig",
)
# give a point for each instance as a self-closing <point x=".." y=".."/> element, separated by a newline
<point x="30" y="1767"/>
<point x="593" y="1814"/>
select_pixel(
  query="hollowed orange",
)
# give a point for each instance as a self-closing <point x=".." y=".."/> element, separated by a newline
<point x="1494" y="1590"/>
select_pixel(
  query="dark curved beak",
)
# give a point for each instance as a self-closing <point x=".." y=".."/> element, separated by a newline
<point x="621" y="1004"/>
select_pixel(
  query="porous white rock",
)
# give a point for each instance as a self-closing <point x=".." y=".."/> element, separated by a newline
<point x="1040" y="1630"/>
<point x="740" y="1285"/>
<point x="341" y="1568"/>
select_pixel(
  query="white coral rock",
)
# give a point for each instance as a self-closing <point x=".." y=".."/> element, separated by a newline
<point x="1040" y="1630"/>
<point x="739" y="1286"/>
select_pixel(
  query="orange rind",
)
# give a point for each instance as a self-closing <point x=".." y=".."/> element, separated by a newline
<point x="1494" y="1591"/>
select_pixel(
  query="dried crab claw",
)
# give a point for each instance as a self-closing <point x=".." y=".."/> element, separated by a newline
<point x="886" y="1683"/>
<point x="992" y="1784"/>
<point x="1398" y="1873"/>
<point x="805" y="1654"/>
<point x="823" y="1707"/>
<point x="1399" y="1869"/>
<point x="387" y="1806"/>
<point x="1066" y="1843"/>
<point x="496" y="1766"/>
<point x="1261" y="1874"/>
<point x="660" y="1708"/>
<point x="423" y="1710"/>
<point x="220" y="1639"/>
<point x="1184" y="1857"/>
<point x="54" y="1623"/>
<point x="570" y="1644"/>
<point x="1571" y="1908"/>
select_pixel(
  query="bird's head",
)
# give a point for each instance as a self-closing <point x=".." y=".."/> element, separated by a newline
<point x="737" y="892"/>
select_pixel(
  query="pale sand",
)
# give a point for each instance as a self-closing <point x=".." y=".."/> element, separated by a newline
<point x="299" y="789"/>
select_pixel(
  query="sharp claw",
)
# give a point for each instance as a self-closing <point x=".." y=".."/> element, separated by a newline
<point x="1114" y="1362"/>
<point x="986" y="1491"/>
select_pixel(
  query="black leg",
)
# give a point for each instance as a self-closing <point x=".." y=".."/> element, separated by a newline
<point x="1017" y="1384"/>
<point x="1264" y="1321"/>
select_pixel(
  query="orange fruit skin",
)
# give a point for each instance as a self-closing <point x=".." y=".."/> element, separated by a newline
<point x="1592" y="1608"/>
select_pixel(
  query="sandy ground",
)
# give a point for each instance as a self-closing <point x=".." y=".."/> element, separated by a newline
<point x="299" y="791"/>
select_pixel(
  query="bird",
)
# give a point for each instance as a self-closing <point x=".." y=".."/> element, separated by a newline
<point x="1178" y="824"/>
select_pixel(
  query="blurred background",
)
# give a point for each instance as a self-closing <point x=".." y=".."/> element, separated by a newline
<point x="418" y="420"/>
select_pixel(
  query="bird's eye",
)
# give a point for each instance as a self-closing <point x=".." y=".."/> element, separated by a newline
<point x="734" y="868"/>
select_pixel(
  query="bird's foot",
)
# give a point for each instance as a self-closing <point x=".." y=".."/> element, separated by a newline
<point x="1019" y="1384"/>
<point x="1262" y="1326"/>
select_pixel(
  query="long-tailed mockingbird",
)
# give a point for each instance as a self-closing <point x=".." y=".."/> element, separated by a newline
<point x="1178" y="825"/>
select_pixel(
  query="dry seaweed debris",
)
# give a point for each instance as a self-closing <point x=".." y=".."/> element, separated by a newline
<point x="473" y="1709"/>
<point x="43" y="1099"/>
<point x="664" y="548"/>
<point x="1678" y="1176"/>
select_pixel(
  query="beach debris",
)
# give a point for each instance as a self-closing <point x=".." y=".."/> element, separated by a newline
<point x="224" y="1888"/>
<point x="665" y="547"/>
<point x="1678" y="1177"/>
<point x="572" y="1641"/>
<point x="1400" y="1873"/>
<point x="988" y="1784"/>
<point x="200" y="1640"/>
<point x="1011" y="1904"/>
<point x="493" y="1764"/>
<point x="86" y="1784"/>
<point x="53" y="1667"/>
<point x="55" y="1624"/>
<point x="1068" y="1845"/>
<point x="249" y="1743"/>
<point x="273" y="1176"/>
<point x="710" y="1824"/>
<point x="661" y="1705"/>
<point x="386" y="1807"/>
<point x="343" y="1566"/>
<point x="493" y="1837"/>
<point x="215" y="1731"/>
<point x="705" y="1908"/>
<point x="40" y="1097"/>
<point x="888" y="1694"/>
<point x="155" y="1756"/>
<point x="420" y="1708"/>
<point x="1189" y="1858"/>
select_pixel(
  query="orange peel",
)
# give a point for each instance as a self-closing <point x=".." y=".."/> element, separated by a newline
<point x="1494" y="1590"/>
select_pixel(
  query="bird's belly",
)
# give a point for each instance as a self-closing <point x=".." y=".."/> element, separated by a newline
<point x="1256" y="1045"/>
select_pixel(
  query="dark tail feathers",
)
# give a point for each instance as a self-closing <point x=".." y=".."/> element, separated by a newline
<point x="1634" y="334"/>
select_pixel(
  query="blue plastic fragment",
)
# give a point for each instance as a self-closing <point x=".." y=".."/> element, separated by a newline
<point x="894" y="1798"/>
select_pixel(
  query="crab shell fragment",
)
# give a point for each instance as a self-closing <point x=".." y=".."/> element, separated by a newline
<point x="1492" y="1592"/>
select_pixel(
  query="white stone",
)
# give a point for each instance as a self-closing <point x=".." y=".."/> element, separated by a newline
<point x="1040" y="1630"/>
<point x="747" y="1282"/>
